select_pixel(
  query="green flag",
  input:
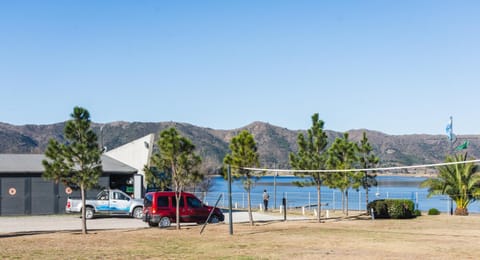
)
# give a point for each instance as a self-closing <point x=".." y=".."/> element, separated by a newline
<point x="462" y="146"/>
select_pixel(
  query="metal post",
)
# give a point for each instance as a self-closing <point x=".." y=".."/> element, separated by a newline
<point x="211" y="212"/>
<point x="284" y="203"/>
<point x="309" y="201"/>
<point x="451" y="207"/>
<point x="243" y="199"/>
<point x="275" y="190"/>
<point x="333" y="201"/>
<point x="359" y="201"/>
<point x="230" y="218"/>
<point x="416" y="200"/>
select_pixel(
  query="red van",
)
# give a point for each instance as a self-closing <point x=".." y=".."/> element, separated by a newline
<point x="159" y="209"/>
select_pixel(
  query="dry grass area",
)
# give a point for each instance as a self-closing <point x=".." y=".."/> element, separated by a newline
<point x="426" y="237"/>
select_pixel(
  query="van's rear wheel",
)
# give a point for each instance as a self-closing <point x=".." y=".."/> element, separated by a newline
<point x="164" y="222"/>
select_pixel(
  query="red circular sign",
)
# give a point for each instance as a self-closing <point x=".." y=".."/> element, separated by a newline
<point x="12" y="191"/>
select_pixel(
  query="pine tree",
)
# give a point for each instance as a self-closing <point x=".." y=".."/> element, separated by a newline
<point x="176" y="156"/>
<point x="77" y="163"/>
<point x="310" y="156"/>
<point x="244" y="154"/>
<point x="342" y="156"/>
<point x="367" y="160"/>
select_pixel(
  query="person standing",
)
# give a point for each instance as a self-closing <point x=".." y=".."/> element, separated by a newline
<point x="265" y="199"/>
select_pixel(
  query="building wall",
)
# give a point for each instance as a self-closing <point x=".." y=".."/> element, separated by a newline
<point x="135" y="154"/>
<point x="30" y="195"/>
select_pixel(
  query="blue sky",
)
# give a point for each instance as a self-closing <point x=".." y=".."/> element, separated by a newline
<point x="399" y="67"/>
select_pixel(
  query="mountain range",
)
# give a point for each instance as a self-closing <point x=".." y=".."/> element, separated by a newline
<point x="274" y="143"/>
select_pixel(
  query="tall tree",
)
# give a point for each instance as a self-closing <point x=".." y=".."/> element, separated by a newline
<point x="157" y="179"/>
<point x="342" y="155"/>
<point x="461" y="182"/>
<point x="76" y="163"/>
<point x="244" y="154"/>
<point x="176" y="156"/>
<point x="310" y="156"/>
<point x="368" y="160"/>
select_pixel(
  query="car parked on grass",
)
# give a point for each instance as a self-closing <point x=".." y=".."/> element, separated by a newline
<point x="159" y="209"/>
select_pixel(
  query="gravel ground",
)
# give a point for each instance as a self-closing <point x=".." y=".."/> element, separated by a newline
<point x="73" y="222"/>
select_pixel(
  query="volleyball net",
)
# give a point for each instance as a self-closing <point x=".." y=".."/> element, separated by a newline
<point x="378" y="169"/>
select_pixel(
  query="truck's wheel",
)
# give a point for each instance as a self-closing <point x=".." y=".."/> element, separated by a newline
<point x="88" y="212"/>
<point x="164" y="222"/>
<point x="137" y="212"/>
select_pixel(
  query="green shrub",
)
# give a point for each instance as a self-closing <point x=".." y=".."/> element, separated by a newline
<point x="400" y="208"/>
<point x="433" y="211"/>
<point x="392" y="208"/>
<point x="417" y="213"/>
<point x="380" y="209"/>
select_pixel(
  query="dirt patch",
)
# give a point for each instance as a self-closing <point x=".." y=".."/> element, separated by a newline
<point x="426" y="237"/>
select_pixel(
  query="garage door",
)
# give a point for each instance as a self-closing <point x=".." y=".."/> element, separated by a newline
<point x="13" y="201"/>
<point x="44" y="199"/>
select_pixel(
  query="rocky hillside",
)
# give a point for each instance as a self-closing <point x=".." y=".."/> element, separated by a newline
<point x="274" y="143"/>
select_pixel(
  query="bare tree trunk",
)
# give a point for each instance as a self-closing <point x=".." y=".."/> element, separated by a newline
<point x="366" y="200"/>
<point x="250" y="216"/>
<point x="84" y="218"/>
<point x="346" y="201"/>
<point x="319" y="202"/>
<point x="178" y="196"/>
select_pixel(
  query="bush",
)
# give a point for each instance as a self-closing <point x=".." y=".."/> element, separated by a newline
<point x="380" y="209"/>
<point x="417" y="213"/>
<point x="433" y="211"/>
<point x="400" y="208"/>
<point x="392" y="208"/>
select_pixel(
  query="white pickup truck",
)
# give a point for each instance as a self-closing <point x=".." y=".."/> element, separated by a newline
<point x="108" y="202"/>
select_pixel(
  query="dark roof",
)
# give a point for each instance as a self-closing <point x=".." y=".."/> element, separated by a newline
<point x="32" y="163"/>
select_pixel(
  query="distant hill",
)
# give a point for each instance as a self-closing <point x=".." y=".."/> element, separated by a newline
<point x="274" y="143"/>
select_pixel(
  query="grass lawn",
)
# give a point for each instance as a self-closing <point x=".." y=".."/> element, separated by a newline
<point x="426" y="237"/>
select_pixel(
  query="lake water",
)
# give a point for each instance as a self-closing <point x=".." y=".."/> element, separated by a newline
<point x="397" y="187"/>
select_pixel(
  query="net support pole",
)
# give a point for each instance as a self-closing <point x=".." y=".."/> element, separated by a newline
<point x="230" y="217"/>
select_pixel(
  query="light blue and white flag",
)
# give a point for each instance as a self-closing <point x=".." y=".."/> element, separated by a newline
<point x="449" y="130"/>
